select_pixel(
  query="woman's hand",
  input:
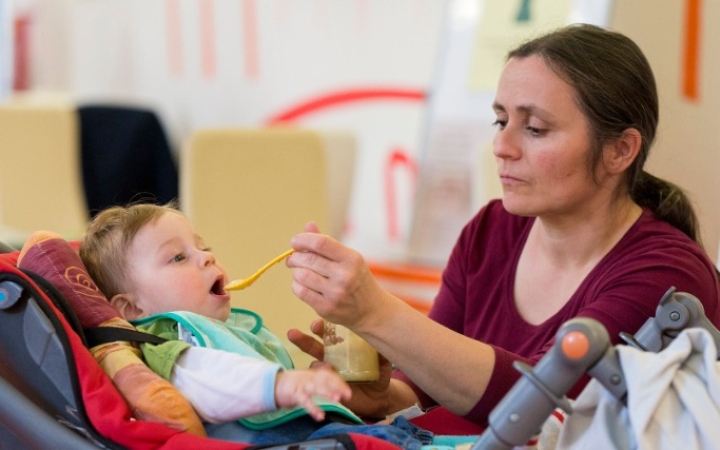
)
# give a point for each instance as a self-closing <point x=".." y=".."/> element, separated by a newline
<point x="308" y="344"/>
<point x="369" y="400"/>
<point x="334" y="280"/>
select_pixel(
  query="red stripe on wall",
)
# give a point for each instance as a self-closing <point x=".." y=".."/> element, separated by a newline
<point x="207" y="38"/>
<point x="21" y="53"/>
<point x="173" y="32"/>
<point x="398" y="158"/>
<point x="250" y="38"/>
<point x="691" y="57"/>
<point x="333" y="99"/>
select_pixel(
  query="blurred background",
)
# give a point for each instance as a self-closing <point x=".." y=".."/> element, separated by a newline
<point x="406" y="84"/>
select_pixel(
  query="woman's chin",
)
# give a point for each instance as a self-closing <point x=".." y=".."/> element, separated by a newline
<point x="513" y="205"/>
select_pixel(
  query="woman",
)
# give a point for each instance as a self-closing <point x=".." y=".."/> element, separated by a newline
<point x="581" y="230"/>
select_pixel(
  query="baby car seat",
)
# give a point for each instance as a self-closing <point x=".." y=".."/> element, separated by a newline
<point x="53" y="394"/>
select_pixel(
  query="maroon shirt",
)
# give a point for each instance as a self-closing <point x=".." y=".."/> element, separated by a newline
<point x="622" y="291"/>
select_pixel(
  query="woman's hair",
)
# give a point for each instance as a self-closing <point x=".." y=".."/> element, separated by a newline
<point x="615" y="88"/>
<point x="103" y="247"/>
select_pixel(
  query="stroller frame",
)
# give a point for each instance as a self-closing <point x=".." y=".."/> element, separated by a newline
<point x="582" y="345"/>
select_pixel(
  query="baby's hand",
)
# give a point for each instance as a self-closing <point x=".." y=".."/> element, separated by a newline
<point x="297" y="387"/>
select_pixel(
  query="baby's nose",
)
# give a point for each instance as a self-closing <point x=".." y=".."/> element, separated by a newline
<point x="208" y="258"/>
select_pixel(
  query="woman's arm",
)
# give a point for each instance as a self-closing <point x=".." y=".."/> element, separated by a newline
<point x="336" y="282"/>
<point x="451" y="368"/>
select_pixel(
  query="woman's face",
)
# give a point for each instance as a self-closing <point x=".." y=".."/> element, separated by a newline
<point x="542" y="144"/>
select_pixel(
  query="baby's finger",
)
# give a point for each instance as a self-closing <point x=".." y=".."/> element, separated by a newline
<point x="321" y="365"/>
<point x="334" y="388"/>
<point x="313" y="409"/>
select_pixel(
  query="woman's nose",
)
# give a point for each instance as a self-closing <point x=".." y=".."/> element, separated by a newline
<point x="505" y="145"/>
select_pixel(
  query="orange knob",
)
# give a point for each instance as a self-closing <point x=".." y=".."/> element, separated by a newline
<point x="575" y="345"/>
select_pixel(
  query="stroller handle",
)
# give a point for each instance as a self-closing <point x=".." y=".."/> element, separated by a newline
<point x="579" y="345"/>
<point x="582" y="345"/>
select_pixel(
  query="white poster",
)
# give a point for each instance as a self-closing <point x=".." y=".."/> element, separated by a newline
<point x="457" y="169"/>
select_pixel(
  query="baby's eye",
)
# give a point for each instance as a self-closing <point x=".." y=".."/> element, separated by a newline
<point x="179" y="257"/>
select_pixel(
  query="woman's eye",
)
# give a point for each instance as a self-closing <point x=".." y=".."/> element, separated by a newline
<point x="535" y="131"/>
<point x="500" y="123"/>
<point x="179" y="257"/>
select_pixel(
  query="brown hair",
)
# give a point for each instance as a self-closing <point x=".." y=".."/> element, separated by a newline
<point x="104" y="245"/>
<point x="615" y="88"/>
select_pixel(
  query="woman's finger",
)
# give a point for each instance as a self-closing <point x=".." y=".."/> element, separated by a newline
<point x="320" y="244"/>
<point x="306" y="343"/>
<point x="311" y="227"/>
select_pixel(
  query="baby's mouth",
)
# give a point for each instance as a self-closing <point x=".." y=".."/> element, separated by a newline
<point x="218" y="287"/>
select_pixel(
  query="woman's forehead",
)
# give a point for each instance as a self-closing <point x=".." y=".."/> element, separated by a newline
<point x="528" y="85"/>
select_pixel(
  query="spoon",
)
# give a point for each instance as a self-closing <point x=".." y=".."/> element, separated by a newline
<point x="242" y="284"/>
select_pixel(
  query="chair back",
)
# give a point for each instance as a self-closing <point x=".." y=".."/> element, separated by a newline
<point x="248" y="192"/>
<point x="40" y="183"/>
<point x="126" y="157"/>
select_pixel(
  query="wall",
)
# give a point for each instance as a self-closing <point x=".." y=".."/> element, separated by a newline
<point x="687" y="149"/>
<point x="197" y="65"/>
<point x="363" y="66"/>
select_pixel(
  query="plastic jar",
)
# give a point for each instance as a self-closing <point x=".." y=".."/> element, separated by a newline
<point x="350" y="355"/>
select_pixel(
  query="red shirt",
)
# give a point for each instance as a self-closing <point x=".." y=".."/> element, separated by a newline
<point x="622" y="291"/>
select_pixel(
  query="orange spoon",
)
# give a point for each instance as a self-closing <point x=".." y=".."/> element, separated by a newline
<point x="242" y="284"/>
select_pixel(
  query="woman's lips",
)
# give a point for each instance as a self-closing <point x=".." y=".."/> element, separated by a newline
<point x="509" y="179"/>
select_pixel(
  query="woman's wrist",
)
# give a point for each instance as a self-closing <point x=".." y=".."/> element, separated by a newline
<point x="400" y="396"/>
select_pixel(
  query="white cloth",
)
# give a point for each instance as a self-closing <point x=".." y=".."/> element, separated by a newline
<point x="224" y="386"/>
<point x="673" y="401"/>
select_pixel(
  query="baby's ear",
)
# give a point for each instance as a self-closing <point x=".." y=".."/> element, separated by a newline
<point x="126" y="305"/>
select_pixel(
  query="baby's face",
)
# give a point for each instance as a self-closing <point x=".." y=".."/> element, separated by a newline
<point x="170" y="269"/>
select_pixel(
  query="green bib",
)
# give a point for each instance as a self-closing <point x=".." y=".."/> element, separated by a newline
<point x="243" y="333"/>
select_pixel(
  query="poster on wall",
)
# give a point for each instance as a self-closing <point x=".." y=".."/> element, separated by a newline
<point x="457" y="169"/>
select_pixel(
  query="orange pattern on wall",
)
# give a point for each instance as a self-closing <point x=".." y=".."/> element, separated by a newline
<point x="691" y="56"/>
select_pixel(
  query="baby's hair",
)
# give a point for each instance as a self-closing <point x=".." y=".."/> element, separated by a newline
<point x="104" y="246"/>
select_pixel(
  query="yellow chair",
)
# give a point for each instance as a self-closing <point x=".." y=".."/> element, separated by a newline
<point x="40" y="181"/>
<point x="248" y="192"/>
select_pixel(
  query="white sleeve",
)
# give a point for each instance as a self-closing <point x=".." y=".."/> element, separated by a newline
<point x="224" y="386"/>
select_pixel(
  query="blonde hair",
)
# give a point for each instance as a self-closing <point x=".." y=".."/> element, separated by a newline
<point x="103" y="247"/>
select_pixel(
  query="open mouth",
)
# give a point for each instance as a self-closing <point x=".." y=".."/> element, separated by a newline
<point x="218" y="287"/>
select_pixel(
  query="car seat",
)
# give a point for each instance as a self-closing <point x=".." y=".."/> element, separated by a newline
<point x="53" y="394"/>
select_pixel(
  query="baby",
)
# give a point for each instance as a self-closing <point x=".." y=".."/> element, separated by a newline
<point x="158" y="274"/>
